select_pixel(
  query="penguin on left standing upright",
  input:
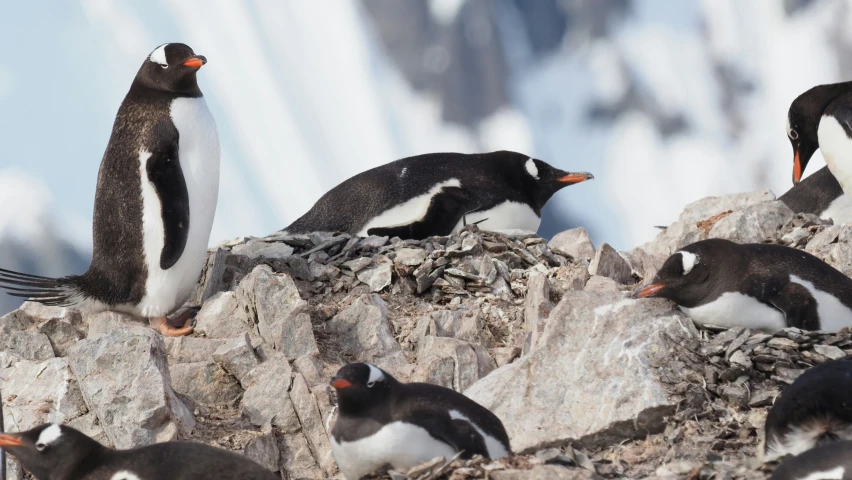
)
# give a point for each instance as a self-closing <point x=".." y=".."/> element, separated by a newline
<point x="156" y="196"/>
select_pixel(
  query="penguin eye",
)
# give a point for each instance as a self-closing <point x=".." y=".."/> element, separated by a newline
<point x="40" y="446"/>
<point x="370" y="384"/>
<point x="793" y="134"/>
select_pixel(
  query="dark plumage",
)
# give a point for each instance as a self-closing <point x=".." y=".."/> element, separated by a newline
<point x="832" y="461"/>
<point x="54" y="452"/>
<point x="455" y="188"/>
<point x="817" y="195"/>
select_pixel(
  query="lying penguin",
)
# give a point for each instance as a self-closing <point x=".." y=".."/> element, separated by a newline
<point x="382" y="421"/>
<point x="58" y="452"/>
<point x="761" y="286"/>
<point x="438" y="194"/>
<point x="814" y="410"/>
<point x="832" y="461"/>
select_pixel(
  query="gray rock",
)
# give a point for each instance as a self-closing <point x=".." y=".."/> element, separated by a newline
<point x="282" y="317"/>
<point x="266" y="400"/>
<point x="61" y="335"/>
<point x="796" y="237"/>
<point x="296" y="458"/>
<point x="125" y="380"/>
<point x="599" y="284"/>
<point x="221" y="317"/>
<point x="357" y="264"/>
<point x="504" y="355"/>
<point x="830" y="351"/>
<point x="42" y="313"/>
<point x="14" y="321"/>
<point x="312" y="424"/>
<point x="378" y="277"/>
<point x="614" y="391"/>
<point x="608" y="263"/>
<point x="39" y="392"/>
<point x="537" y="306"/>
<point x="191" y="349"/>
<point x="574" y="243"/>
<point x="410" y="257"/>
<point x="257" y="249"/>
<point x="205" y="383"/>
<point x="363" y="332"/>
<point x="211" y="277"/>
<point x="311" y="369"/>
<point x="373" y="241"/>
<point x="30" y="345"/>
<point x="834" y="246"/>
<point x="465" y="325"/>
<point x="103" y="323"/>
<point x="754" y="223"/>
<point x="236" y="356"/>
<point x="451" y="363"/>
<point x="544" y="472"/>
<point x="89" y="425"/>
<point x="264" y="450"/>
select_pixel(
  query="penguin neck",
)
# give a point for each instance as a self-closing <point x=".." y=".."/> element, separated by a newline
<point x="143" y="89"/>
<point x="90" y="454"/>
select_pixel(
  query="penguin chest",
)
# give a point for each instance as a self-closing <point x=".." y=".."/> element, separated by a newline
<point x="836" y="147"/>
<point x="507" y="215"/>
<point x="840" y="210"/>
<point x="400" y="444"/>
<point x="198" y="158"/>
<point x="737" y="309"/>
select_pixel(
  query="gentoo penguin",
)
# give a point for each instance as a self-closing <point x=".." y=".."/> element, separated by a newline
<point x="382" y="421"/>
<point x="58" y="452"/>
<point x="761" y="286"/>
<point x="439" y="193"/>
<point x="820" y="194"/>
<point x="154" y="205"/>
<point x="832" y="461"/>
<point x="815" y="409"/>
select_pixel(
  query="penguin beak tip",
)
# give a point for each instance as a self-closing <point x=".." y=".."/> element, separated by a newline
<point x="573" y="178"/>
<point x="9" y="441"/>
<point x="339" y="383"/>
<point x="648" y="290"/>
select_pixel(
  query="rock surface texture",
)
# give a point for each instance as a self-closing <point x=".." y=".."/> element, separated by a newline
<point x="588" y="382"/>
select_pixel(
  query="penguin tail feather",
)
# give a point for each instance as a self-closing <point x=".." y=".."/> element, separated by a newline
<point x="53" y="292"/>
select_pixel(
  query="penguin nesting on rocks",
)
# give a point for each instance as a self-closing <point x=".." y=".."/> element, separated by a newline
<point x="832" y="461"/>
<point x="438" y="194"/>
<point x="57" y="452"/>
<point x="155" y="200"/>
<point x="815" y="409"/>
<point x="761" y="286"/>
<point x="382" y="421"/>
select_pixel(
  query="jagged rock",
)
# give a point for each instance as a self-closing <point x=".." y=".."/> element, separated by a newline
<point x="574" y="243"/>
<point x="125" y="380"/>
<point x="462" y="324"/>
<point x="282" y="317"/>
<point x="29" y="345"/>
<point x="537" y="307"/>
<point x="16" y="320"/>
<point x="42" y="313"/>
<point x="211" y="277"/>
<point x="544" y="472"/>
<point x="451" y="363"/>
<point x="266" y="400"/>
<point x="296" y="458"/>
<point x="221" y="317"/>
<point x="830" y="351"/>
<point x="205" y="383"/>
<point x="89" y="425"/>
<point x="310" y="368"/>
<point x="236" y="356"/>
<point x="608" y="263"/>
<point x="378" y="277"/>
<point x="61" y="334"/>
<point x="191" y="349"/>
<point x="256" y="249"/>
<point x="264" y="450"/>
<point x="597" y="283"/>
<point x="373" y="242"/>
<point x="603" y="367"/>
<point x="834" y="246"/>
<point x="312" y="424"/>
<point x="504" y="355"/>
<point x="410" y="257"/>
<point x="363" y="332"/>
<point x="39" y="392"/>
<point x="754" y="223"/>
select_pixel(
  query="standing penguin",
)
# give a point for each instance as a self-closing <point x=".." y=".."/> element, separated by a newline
<point x="57" y="452"/>
<point x="814" y="410"/>
<point x="382" y="421"/>
<point x="156" y="196"/>
<point x="759" y="286"/>
<point x="438" y="194"/>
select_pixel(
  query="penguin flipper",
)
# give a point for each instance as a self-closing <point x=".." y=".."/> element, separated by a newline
<point x="164" y="172"/>
<point x="459" y="434"/>
<point x="444" y="212"/>
<point x="798" y="305"/>
<point x="57" y="292"/>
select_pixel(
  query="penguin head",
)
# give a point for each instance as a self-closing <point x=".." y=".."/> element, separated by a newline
<point x="50" y="450"/>
<point x="361" y="386"/>
<point x="684" y="276"/>
<point x="543" y="180"/>
<point x="171" y="67"/>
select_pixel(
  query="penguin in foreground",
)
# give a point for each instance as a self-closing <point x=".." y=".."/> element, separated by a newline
<point x="156" y="195"/>
<point x="438" y="194"/>
<point x="820" y="194"/>
<point x="760" y="286"/>
<point x="57" y="452"/>
<point x="382" y="421"/>
<point x="814" y="410"/>
<point x="832" y="461"/>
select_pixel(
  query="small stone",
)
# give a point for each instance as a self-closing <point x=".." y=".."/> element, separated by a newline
<point x="373" y="241"/>
<point x="205" y="383"/>
<point x="61" y="335"/>
<point x="30" y="345"/>
<point x="263" y="449"/>
<point x="266" y="400"/>
<point x="782" y="343"/>
<point x="830" y="351"/>
<point x="797" y="237"/>
<point x="425" y="467"/>
<point x="410" y="257"/>
<point x="357" y="264"/>
<point x="257" y="249"/>
<point x="379" y="276"/>
<point x="574" y="243"/>
<point x="740" y="358"/>
<point x="221" y="317"/>
<point x="608" y="263"/>
<point x="505" y="355"/>
<point x="762" y="398"/>
<point x="236" y="356"/>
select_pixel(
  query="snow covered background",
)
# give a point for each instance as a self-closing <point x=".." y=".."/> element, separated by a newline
<point x="665" y="101"/>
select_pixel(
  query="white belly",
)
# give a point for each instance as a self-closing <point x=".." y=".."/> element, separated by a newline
<point x="504" y="216"/>
<point x="836" y="148"/>
<point x="735" y="309"/>
<point x="402" y="445"/>
<point x="410" y="211"/>
<point x="833" y="315"/>
<point x="166" y="290"/>
<point x="840" y="210"/>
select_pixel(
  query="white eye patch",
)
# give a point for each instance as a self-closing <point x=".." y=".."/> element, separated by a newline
<point x="159" y="55"/>
<point x="790" y="132"/>
<point x="375" y="375"/>
<point x="49" y="435"/>
<point x="689" y="261"/>
<point x="531" y="168"/>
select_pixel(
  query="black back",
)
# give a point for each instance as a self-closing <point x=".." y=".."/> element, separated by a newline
<point x="486" y="179"/>
<point x="814" y="194"/>
<point x="823" y="458"/>
<point x="822" y="393"/>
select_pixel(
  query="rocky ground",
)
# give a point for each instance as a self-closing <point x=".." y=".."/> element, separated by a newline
<point x="588" y="382"/>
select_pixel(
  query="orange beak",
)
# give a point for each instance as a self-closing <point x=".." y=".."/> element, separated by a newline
<point x="797" y="169"/>
<point x="9" y="441"/>
<point x="341" y="383"/>
<point x="195" y="62"/>
<point x="573" y="178"/>
<point x="648" y="290"/>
